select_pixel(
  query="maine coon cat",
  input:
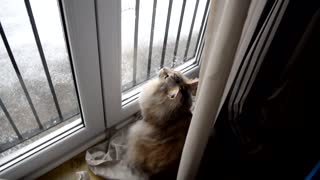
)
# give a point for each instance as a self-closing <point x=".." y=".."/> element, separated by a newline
<point x="155" y="143"/>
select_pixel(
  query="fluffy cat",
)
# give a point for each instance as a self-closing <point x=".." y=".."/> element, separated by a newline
<point x="155" y="143"/>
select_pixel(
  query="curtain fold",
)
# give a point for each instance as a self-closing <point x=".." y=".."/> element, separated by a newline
<point x="222" y="39"/>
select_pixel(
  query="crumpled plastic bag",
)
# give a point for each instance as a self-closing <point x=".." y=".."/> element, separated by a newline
<point x="107" y="159"/>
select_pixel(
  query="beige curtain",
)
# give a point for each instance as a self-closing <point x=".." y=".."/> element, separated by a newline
<point x="225" y="25"/>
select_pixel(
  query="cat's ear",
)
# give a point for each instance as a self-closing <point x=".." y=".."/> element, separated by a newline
<point x="173" y="92"/>
<point x="193" y="86"/>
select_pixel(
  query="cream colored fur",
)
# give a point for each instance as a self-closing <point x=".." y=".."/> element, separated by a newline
<point x="155" y="143"/>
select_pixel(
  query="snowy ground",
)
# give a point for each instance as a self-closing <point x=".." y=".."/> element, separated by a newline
<point x="15" y="22"/>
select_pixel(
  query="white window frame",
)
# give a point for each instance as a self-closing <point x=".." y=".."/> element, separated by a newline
<point x="51" y="150"/>
<point x="109" y="28"/>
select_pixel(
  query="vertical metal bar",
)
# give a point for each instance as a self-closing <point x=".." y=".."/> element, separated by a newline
<point x="13" y="125"/>
<point x="202" y="26"/>
<point x="190" y="32"/>
<point x="43" y="59"/>
<point x="178" y="33"/>
<point x="15" y="66"/>
<point x="151" y="36"/>
<point x="135" y="48"/>
<point x="164" y="46"/>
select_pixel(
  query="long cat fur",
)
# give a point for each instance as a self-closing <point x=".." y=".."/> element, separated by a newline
<point x="155" y="143"/>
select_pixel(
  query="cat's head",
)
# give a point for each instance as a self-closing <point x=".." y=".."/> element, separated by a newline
<point x="167" y="93"/>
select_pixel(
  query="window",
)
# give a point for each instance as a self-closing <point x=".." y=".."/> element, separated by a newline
<point x="79" y="65"/>
<point x="38" y="91"/>
<point x="47" y="105"/>
<point x="144" y="37"/>
<point x="157" y="34"/>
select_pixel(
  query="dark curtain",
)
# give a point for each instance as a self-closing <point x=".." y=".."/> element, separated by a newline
<point x="280" y="115"/>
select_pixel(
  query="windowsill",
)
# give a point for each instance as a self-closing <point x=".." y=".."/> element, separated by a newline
<point x="70" y="169"/>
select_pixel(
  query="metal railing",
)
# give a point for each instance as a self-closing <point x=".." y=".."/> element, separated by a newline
<point x="41" y="127"/>
<point x="165" y="39"/>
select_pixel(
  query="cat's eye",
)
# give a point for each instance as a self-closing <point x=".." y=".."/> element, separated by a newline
<point x="166" y="76"/>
